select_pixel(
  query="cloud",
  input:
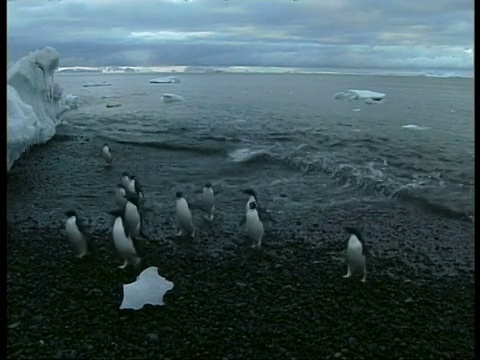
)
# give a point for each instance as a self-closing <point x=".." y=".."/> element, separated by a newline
<point x="409" y="34"/>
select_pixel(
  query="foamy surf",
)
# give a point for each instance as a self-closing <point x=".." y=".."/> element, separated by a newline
<point x="244" y="155"/>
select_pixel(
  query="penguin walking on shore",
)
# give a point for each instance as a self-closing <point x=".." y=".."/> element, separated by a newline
<point x="253" y="225"/>
<point x="184" y="216"/>
<point x="76" y="233"/>
<point x="208" y="201"/>
<point x="263" y="214"/>
<point x="120" y="196"/>
<point x="134" y="187"/>
<point x="356" y="254"/>
<point x="122" y="241"/>
<point x="107" y="155"/>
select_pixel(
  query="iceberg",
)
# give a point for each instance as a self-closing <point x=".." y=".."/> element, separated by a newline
<point x="165" y="80"/>
<point x="370" y="97"/>
<point x="34" y="102"/>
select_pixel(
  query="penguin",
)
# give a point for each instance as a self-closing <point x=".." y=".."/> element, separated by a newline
<point x="122" y="241"/>
<point x="135" y="188"/>
<point x="253" y="197"/>
<point x="356" y="254"/>
<point x="132" y="218"/>
<point x="184" y="216"/>
<point x="125" y="180"/>
<point x="76" y="233"/>
<point x="120" y="196"/>
<point x="207" y="201"/>
<point x="107" y="156"/>
<point x="263" y="214"/>
<point x="253" y="225"/>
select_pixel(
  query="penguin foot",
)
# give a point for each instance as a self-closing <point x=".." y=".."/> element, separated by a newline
<point x="180" y="233"/>
<point x="347" y="276"/>
<point x="124" y="265"/>
<point x="192" y="234"/>
<point x="363" y="280"/>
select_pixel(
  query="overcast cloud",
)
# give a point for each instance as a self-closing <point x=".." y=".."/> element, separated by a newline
<point x="420" y="35"/>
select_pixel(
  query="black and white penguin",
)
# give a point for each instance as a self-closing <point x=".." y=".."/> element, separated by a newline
<point x="208" y="201"/>
<point x="107" y="155"/>
<point x="184" y="216"/>
<point x="76" y="233"/>
<point x="120" y="196"/>
<point x="122" y="241"/>
<point x="263" y="214"/>
<point x="252" y="197"/>
<point x="132" y="217"/>
<point x="253" y="225"/>
<point x="356" y="254"/>
<point x="135" y="188"/>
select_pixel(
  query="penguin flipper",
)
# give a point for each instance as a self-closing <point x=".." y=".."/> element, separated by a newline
<point x="265" y="215"/>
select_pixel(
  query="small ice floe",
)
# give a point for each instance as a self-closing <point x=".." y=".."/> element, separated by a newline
<point x="169" y="98"/>
<point x="370" y="97"/>
<point x="165" y="80"/>
<point x="148" y="289"/>
<point x="415" y="127"/>
<point x="94" y="84"/>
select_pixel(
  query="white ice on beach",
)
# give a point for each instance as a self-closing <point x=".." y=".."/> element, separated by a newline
<point x="149" y="288"/>
<point x="34" y="102"/>
<point x="165" y="80"/>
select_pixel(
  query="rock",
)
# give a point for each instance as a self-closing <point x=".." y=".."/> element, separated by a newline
<point x="353" y="342"/>
<point x="153" y="338"/>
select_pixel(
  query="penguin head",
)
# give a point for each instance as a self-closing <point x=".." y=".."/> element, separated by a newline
<point x="253" y="205"/>
<point x="250" y="192"/>
<point x="354" y="231"/>
<point x="179" y="195"/>
<point x="105" y="145"/>
<point x="116" y="212"/>
<point x="120" y="186"/>
<point x="126" y="174"/>
<point x="132" y="177"/>
<point x="70" y="213"/>
<point x="208" y="185"/>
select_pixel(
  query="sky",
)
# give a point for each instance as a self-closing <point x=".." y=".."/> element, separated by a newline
<point x="410" y="35"/>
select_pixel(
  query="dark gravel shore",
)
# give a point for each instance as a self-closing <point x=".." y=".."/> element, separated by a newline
<point x="286" y="300"/>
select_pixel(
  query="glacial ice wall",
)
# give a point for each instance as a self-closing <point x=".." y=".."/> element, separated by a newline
<point x="34" y="102"/>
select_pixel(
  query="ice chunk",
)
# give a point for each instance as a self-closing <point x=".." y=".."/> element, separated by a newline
<point x="165" y="80"/>
<point x="168" y="98"/>
<point x="368" y="96"/>
<point x="34" y="102"/>
<point x="95" y="84"/>
<point x="148" y="289"/>
<point x="415" y="127"/>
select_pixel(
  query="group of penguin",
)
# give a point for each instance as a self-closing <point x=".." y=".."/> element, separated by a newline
<point x="127" y="225"/>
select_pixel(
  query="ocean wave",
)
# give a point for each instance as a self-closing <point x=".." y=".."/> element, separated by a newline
<point x="196" y="148"/>
<point x="374" y="178"/>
